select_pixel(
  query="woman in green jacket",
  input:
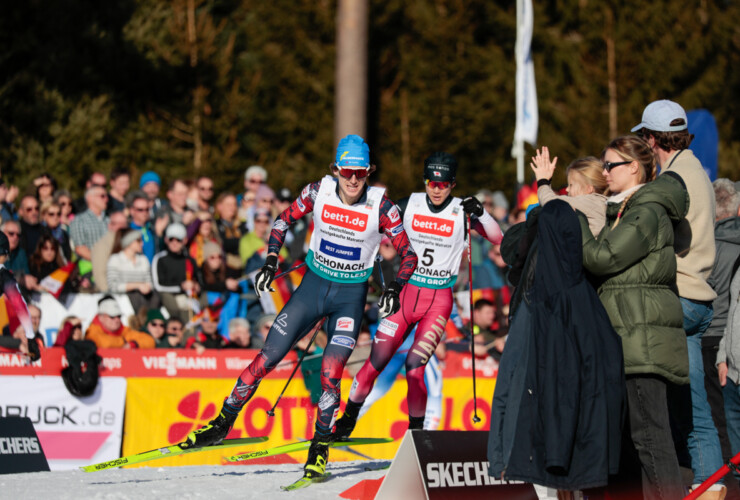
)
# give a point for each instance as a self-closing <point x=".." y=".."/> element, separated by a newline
<point x="634" y="260"/>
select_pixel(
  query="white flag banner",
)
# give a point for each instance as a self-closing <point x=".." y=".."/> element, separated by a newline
<point x="527" y="118"/>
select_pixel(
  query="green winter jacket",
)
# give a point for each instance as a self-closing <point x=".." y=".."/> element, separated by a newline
<point x="636" y="266"/>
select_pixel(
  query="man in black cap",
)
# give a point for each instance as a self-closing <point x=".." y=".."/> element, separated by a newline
<point x="18" y="333"/>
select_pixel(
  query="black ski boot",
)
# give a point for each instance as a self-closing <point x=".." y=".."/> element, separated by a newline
<point x="346" y="423"/>
<point x="416" y="423"/>
<point x="318" y="454"/>
<point x="212" y="433"/>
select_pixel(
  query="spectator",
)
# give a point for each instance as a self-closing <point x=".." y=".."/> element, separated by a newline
<point x="7" y="209"/>
<point x="264" y="198"/>
<point x="261" y="329"/>
<point x="216" y="276"/>
<point x="492" y="270"/>
<point x="490" y="341"/>
<point x="254" y="177"/>
<point x="295" y="237"/>
<point x="45" y="260"/>
<point x="89" y="226"/>
<point x="177" y="209"/>
<point x="230" y="229"/>
<point x="154" y="325"/>
<point x="51" y="216"/>
<point x="174" y="335"/>
<point x="71" y="329"/>
<point x="727" y="243"/>
<point x="175" y="275"/>
<point x="103" y="248"/>
<point x="253" y="245"/>
<point x="138" y="204"/>
<point x="246" y="205"/>
<point x="31" y="227"/>
<point x="239" y="335"/>
<point x="150" y="183"/>
<point x="207" y="336"/>
<point x="204" y="185"/>
<point x="17" y="261"/>
<point x="96" y="179"/>
<point x="664" y="127"/>
<point x="586" y="186"/>
<point x="64" y="200"/>
<point x="120" y="182"/>
<point x="205" y="232"/>
<point x="45" y="186"/>
<point x="34" y="312"/>
<point x="499" y="209"/>
<point x="129" y="272"/>
<point x="633" y="257"/>
<point x="107" y="330"/>
<point x="728" y="365"/>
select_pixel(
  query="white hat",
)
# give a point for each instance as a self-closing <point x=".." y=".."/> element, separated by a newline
<point x="176" y="230"/>
<point x="658" y="116"/>
<point x="109" y="306"/>
<point x="130" y="237"/>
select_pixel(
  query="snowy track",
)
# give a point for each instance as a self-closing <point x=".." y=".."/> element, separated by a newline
<point x="237" y="481"/>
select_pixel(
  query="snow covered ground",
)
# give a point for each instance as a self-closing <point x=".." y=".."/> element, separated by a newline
<point x="233" y="481"/>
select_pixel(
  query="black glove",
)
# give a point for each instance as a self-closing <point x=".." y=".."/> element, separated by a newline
<point x="264" y="277"/>
<point x="34" y="352"/>
<point x="389" y="302"/>
<point x="472" y="206"/>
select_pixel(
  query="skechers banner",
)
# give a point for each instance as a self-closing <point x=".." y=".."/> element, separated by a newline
<point x="432" y="225"/>
<point x="20" y="450"/>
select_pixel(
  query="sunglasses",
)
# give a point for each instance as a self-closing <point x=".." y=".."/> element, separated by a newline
<point x="205" y="188"/>
<point x="175" y="239"/>
<point x="11" y="233"/>
<point x="65" y="204"/>
<point x="347" y="173"/>
<point x="48" y="247"/>
<point x="261" y="221"/>
<point x="255" y="181"/>
<point x="31" y="209"/>
<point x="139" y="209"/>
<point x="53" y="214"/>
<point x="438" y="184"/>
<point x="609" y="165"/>
<point x="157" y="323"/>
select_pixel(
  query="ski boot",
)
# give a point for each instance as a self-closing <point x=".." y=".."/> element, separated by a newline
<point x="212" y="433"/>
<point x="416" y="423"/>
<point x="346" y="423"/>
<point x="318" y="454"/>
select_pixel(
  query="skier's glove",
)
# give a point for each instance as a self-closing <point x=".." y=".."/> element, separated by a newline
<point x="264" y="277"/>
<point x="472" y="206"/>
<point x="34" y="352"/>
<point x="389" y="302"/>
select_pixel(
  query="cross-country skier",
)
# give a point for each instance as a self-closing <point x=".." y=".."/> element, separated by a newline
<point x="434" y="222"/>
<point x="350" y="219"/>
<point x="14" y="301"/>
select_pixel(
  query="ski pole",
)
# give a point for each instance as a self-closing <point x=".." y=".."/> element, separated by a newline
<point x="476" y="419"/>
<point x="294" y="268"/>
<point x="732" y="464"/>
<point x="271" y="411"/>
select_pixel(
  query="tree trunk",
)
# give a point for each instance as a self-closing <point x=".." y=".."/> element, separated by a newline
<point x="611" y="70"/>
<point x="351" y="70"/>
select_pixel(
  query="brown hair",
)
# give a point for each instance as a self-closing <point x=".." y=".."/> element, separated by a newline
<point x="633" y="148"/>
<point x="36" y="261"/>
<point x="592" y="169"/>
<point x="669" y="141"/>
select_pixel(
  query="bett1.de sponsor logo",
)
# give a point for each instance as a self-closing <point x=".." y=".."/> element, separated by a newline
<point x="344" y="218"/>
<point x="432" y="225"/>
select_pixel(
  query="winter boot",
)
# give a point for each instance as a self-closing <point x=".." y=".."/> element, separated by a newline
<point x="212" y="433"/>
<point x="318" y="454"/>
<point x="416" y="423"/>
<point x="346" y="423"/>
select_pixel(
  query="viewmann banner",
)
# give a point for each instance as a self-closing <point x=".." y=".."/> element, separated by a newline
<point x="72" y="431"/>
<point x="161" y="411"/>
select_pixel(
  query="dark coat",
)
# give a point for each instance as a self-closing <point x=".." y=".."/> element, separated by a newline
<point x="558" y="406"/>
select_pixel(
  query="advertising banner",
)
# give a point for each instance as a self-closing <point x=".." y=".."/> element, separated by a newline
<point x="160" y="412"/>
<point x="72" y="431"/>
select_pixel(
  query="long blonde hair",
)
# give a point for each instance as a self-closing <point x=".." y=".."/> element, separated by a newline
<point x="592" y="169"/>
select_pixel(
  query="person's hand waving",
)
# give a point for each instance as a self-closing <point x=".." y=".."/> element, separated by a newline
<point x="541" y="165"/>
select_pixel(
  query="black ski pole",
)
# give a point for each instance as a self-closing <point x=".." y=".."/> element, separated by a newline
<point x="271" y="411"/>
<point x="476" y="419"/>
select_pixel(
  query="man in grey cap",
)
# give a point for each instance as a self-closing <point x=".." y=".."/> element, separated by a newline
<point x="664" y="127"/>
<point x="175" y="274"/>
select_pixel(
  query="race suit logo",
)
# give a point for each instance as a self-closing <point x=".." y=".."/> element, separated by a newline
<point x="340" y="251"/>
<point x="432" y="225"/>
<point x="388" y="327"/>
<point x="345" y="324"/>
<point x="343" y="341"/>
<point x="344" y="218"/>
<point x="393" y="215"/>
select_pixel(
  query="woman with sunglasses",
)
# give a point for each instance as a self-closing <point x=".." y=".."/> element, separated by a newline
<point x="435" y="223"/>
<point x="635" y="261"/>
<point x="586" y="186"/>
<point x="46" y="259"/>
<point x="350" y="219"/>
<point x="51" y="218"/>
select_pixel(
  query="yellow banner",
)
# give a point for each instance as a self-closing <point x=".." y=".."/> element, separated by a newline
<point x="162" y="411"/>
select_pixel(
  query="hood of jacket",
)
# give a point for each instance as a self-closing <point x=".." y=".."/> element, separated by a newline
<point x="669" y="191"/>
<point x="560" y="252"/>
<point x="728" y="230"/>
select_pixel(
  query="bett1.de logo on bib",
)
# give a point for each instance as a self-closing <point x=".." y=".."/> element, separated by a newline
<point x="344" y="218"/>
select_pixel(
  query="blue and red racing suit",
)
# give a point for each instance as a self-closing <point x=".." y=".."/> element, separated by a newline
<point x="342" y="251"/>
<point x="438" y="236"/>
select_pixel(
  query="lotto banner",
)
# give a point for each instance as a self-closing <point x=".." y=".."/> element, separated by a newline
<point x="162" y="411"/>
<point x="73" y="431"/>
